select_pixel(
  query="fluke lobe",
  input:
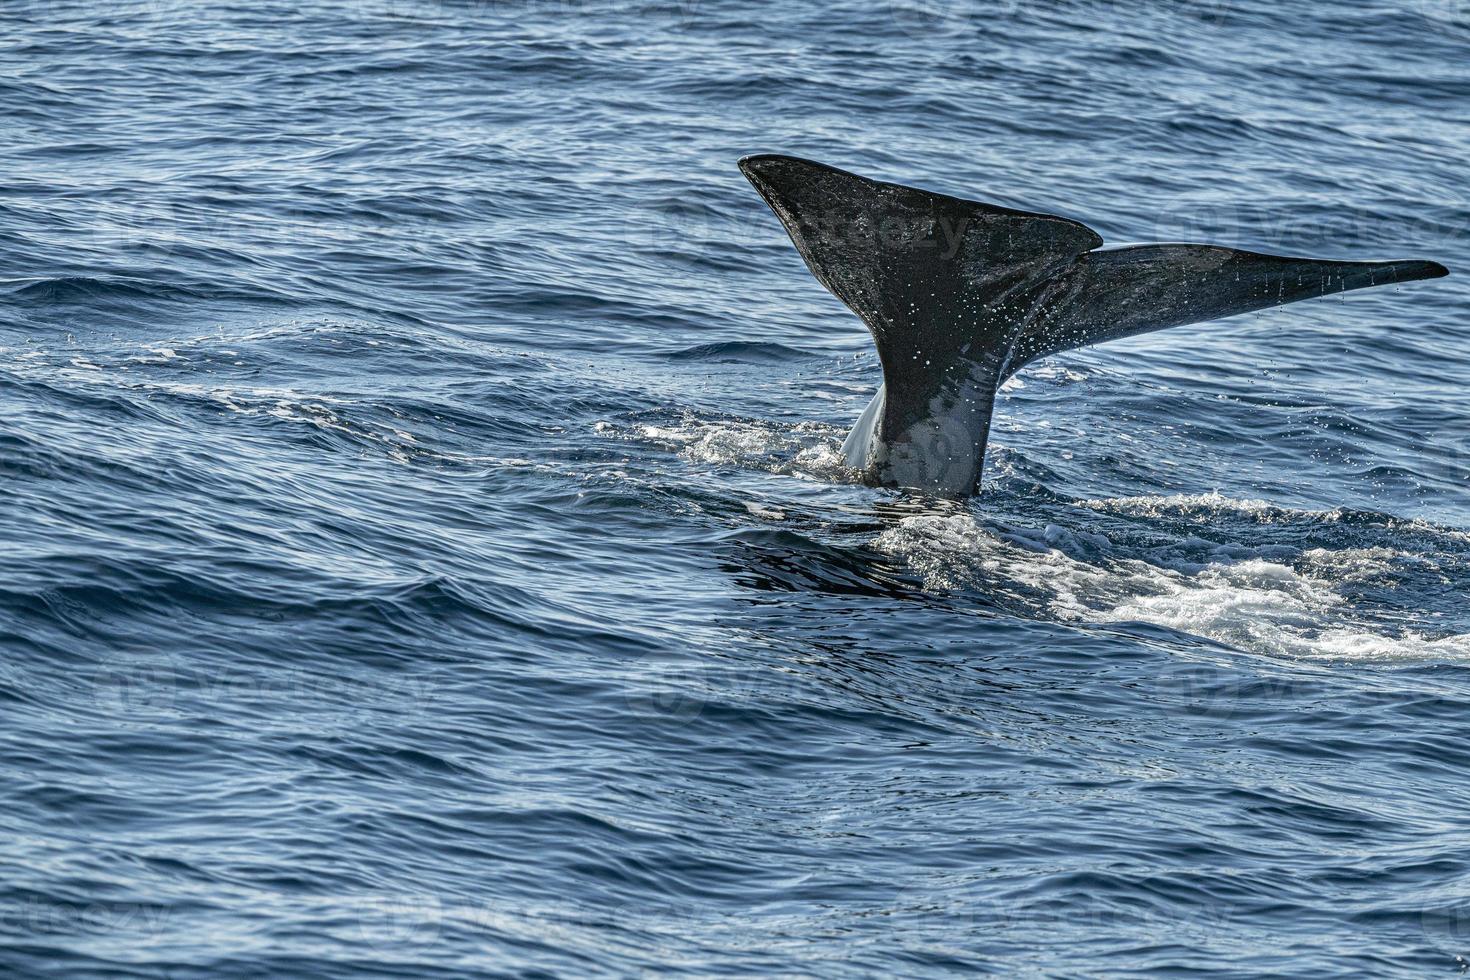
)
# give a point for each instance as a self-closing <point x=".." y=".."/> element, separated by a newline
<point x="959" y="295"/>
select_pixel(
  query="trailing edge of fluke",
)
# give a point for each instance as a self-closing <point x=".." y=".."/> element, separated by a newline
<point x="959" y="295"/>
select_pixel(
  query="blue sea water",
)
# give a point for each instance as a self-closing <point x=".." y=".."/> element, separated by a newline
<point x="424" y="549"/>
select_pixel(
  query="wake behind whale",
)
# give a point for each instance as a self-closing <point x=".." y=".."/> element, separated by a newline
<point x="959" y="295"/>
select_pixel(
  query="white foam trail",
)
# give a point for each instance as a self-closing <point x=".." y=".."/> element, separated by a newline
<point x="1203" y="505"/>
<point x="807" y="449"/>
<point x="1252" y="601"/>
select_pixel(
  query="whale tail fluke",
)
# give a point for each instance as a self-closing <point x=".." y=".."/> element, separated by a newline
<point x="1123" y="292"/>
<point x="959" y="294"/>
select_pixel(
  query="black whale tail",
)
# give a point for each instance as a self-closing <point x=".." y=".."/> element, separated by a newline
<point x="1122" y="292"/>
<point x="959" y="294"/>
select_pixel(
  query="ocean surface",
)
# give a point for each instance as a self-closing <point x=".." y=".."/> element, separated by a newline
<point x="425" y="551"/>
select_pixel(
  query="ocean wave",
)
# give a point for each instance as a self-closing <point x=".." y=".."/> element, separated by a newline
<point x="740" y="352"/>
